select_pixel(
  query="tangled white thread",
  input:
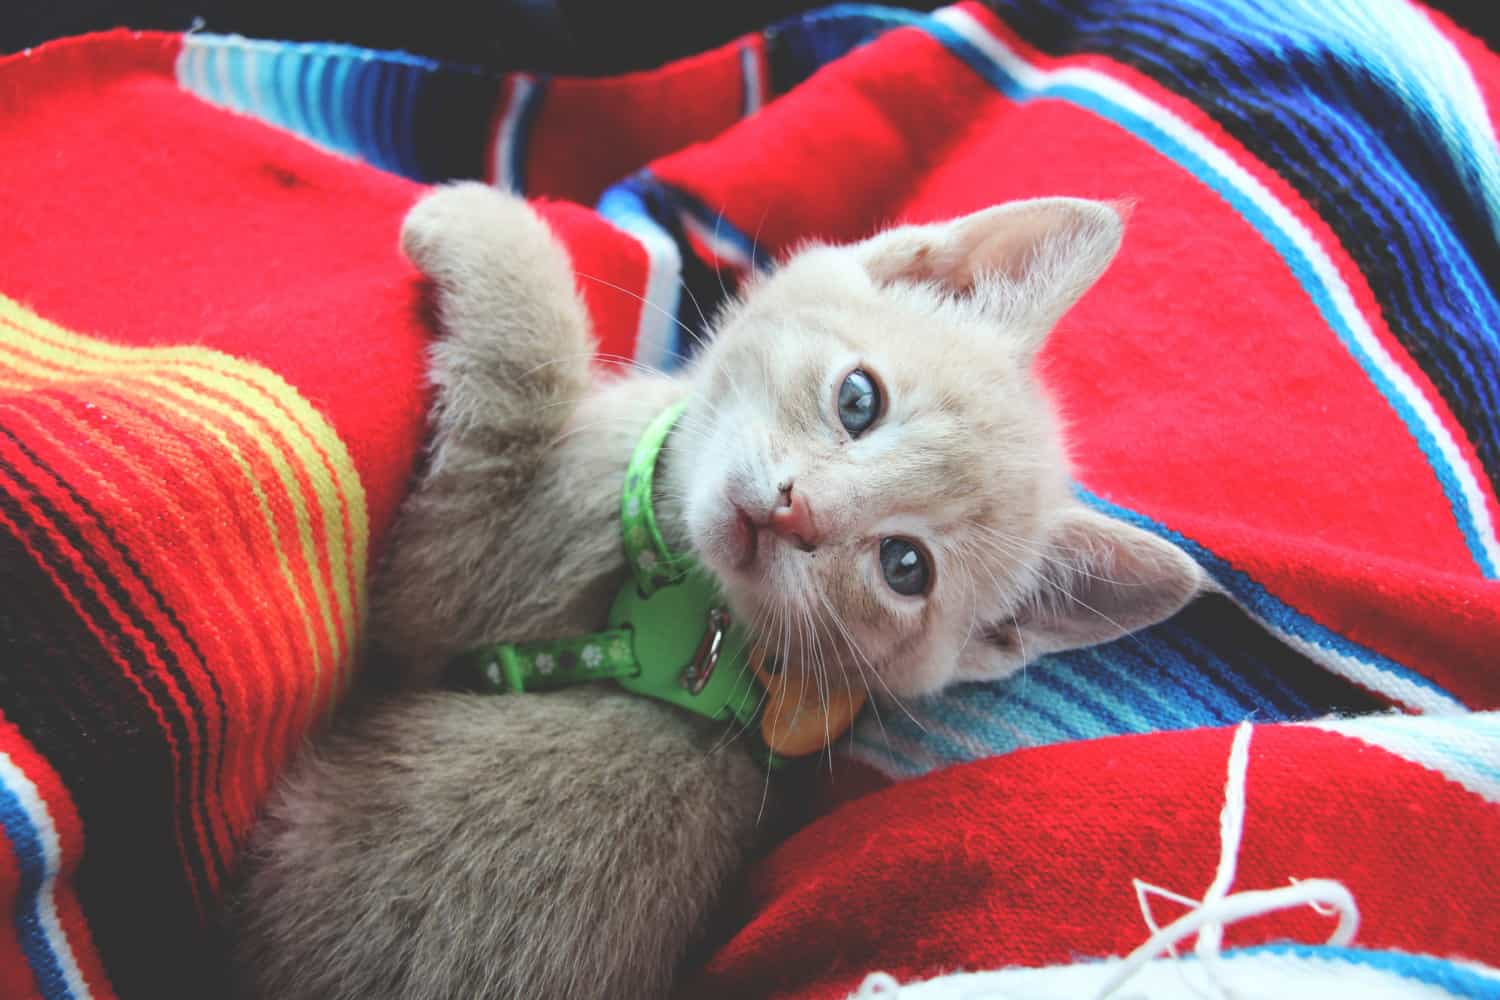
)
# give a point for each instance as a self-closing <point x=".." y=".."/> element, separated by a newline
<point x="1219" y="906"/>
<point x="878" y="985"/>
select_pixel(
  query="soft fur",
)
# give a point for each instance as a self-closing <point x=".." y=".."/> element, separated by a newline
<point x="572" y="844"/>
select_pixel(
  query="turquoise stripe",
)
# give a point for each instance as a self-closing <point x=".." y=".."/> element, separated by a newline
<point x="1151" y="133"/>
<point x="1437" y="972"/>
<point x="1115" y="714"/>
<point x="1421" y="736"/>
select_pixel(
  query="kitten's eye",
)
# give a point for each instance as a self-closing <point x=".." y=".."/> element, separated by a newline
<point x="859" y="402"/>
<point x="905" y="566"/>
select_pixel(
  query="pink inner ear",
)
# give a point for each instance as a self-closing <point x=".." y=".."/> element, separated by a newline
<point x="944" y="259"/>
<point x="1008" y="244"/>
<point x="955" y="256"/>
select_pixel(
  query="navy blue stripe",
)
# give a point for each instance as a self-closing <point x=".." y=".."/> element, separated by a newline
<point x="26" y="840"/>
<point x="1368" y="187"/>
<point x="798" y="46"/>
<point x="1262" y="603"/>
<point x="210" y="761"/>
<point x="1262" y="97"/>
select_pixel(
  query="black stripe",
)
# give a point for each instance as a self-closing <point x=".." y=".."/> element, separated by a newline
<point x="1450" y="358"/>
<point x="1368" y="240"/>
<point x="195" y="858"/>
<point x="213" y="769"/>
<point x="1237" y="644"/>
<point x="67" y="697"/>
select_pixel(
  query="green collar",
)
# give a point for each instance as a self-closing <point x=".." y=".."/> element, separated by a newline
<point x="652" y="564"/>
<point x="670" y="636"/>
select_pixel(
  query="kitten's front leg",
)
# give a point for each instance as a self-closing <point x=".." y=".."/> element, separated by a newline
<point x="509" y="367"/>
<point x="515" y="342"/>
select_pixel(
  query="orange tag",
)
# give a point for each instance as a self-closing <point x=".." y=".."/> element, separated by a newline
<point x="796" y="721"/>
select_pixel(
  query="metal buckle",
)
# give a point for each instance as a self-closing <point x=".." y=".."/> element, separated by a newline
<point x="695" y="676"/>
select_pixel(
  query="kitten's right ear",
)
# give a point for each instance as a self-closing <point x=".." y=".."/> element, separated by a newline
<point x="1023" y="264"/>
<point x="1101" y="579"/>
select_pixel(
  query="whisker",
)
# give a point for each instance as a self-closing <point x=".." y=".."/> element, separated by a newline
<point x="640" y="298"/>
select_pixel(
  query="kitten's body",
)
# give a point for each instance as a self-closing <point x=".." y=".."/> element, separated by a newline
<point x="572" y="844"/>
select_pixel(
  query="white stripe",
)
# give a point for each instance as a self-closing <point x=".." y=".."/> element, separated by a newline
<point x="750" y="74"/>
<point x="191" y="73"/>
<point x="1463" y="749"/>
<point x="1398" y="41"/>
<point x="654" y="335"/>
<point x="13" y="778"/>
<point x="1417" y="697"/>
<point x="720" y="246"/>
<point x="250" y="63"/>
<point x="227" y="94"/>
<point x="505" y="136"/>
<point x="1292" y="228"/>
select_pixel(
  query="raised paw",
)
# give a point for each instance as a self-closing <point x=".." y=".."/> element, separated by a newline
<point x="459" y="229"/>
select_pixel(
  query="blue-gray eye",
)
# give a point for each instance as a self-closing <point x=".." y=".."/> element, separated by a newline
<point x="859" y="402"/>
<point x="905" y="566"/>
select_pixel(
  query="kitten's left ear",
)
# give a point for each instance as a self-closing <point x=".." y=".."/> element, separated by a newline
<point x="1024" y="263"/>
<point x="1103" y="579"/>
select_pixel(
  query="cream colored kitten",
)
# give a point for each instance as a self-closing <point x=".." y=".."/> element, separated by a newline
<point x="866" y="464"/>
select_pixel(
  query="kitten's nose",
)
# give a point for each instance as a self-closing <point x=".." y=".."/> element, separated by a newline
<point x="792" y="519"/>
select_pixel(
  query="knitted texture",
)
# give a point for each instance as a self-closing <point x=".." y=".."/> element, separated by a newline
<point x="212" y="396"/>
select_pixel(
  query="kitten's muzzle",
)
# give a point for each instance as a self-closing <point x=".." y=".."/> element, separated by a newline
<point x="746" y="535"/>
<point x="792" y="519"/>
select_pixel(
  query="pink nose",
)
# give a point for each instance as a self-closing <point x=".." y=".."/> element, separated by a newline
<point x="792" y="519"/>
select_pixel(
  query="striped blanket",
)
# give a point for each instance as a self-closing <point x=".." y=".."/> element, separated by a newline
<point x="211" y="398"/>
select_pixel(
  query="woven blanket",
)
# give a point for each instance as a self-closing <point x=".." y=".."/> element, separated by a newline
<point x="211" y="400"/>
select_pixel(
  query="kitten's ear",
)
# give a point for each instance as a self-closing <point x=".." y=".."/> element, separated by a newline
<point x="1025" y="263"/>
<point x="1103" y="579"/>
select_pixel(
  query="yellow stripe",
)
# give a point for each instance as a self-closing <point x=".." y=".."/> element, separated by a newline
<point x="301" y="411"/>
<point x="302" y="416"/>
<point x="152" y="374"/>
<point x="289" y="576"/>
<point x="183" y="372"/>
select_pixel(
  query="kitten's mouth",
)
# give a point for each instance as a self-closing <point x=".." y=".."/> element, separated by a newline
<point x="744" y="539"/>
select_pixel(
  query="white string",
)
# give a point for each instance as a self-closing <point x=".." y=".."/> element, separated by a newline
<point x="877" y="985"/>
<point x="1219" y="906"/>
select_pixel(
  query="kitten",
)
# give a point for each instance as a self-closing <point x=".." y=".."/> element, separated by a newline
<point x="866" y="464"/>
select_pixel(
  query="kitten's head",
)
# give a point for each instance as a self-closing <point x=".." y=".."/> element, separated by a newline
<point x="871" y="469"/>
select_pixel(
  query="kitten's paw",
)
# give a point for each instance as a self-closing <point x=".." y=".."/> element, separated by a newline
<point x="459" y="227"/>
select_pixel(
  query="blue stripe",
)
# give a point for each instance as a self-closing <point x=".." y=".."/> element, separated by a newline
<point x="410" y="77"/>
<point x="749" y="64"/>
<point x="1012" y="702"/>
<point x="798" y="46"/>
<point x="1272" y="693"/>
<point x="1428" y="736"/>
<point x="30" y="859"/>
<point x="868" y="743"/>
<point x="1427" y="969"/>
<point x="1261" y="602"/>
<point x="344" y="83"/>
<point x="900" y="723"/>
<point x="289" y="92"/>
<point x="1114" y="714"/>
<point x="992" y="73"/>
<point x="1407" y="239"/>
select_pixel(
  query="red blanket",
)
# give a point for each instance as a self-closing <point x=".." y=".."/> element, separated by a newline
<point x="211" y="399"/>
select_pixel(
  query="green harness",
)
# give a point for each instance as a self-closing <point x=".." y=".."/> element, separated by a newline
<point x="670" y="636"/>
